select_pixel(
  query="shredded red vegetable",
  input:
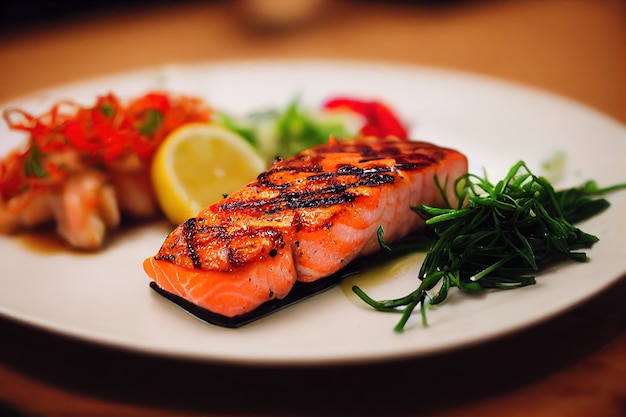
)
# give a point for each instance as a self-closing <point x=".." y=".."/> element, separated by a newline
<point x="98" y="135"/>
<point x="381" y="121"/>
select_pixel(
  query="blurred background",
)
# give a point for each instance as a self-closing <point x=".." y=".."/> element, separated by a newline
<point x="15" y="12"/>
<point x="560" y="45"/>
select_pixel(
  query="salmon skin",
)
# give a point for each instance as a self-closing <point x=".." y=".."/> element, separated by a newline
<point x="303" y="220"/>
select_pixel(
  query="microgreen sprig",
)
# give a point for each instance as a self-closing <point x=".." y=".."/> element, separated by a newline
<point x="498" y="237"/>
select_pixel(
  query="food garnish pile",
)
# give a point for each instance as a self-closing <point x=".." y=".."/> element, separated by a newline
<point x="84" y="167"/>
<point x="277" y="205"/>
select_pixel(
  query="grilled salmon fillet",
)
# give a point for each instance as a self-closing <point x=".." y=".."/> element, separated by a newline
<point x="304" y="219"/>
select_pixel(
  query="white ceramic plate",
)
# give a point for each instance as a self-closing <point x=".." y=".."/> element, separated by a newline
<point x="105" y="298"/>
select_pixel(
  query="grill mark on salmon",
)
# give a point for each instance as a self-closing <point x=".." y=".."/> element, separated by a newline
<point x="189" y="230"/>
<point x="303" y="219"/>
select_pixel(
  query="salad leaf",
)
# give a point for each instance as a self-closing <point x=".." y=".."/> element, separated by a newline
<point x="285" y="132"/>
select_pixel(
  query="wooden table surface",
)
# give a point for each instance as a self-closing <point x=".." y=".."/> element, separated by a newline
<point x="572" y="365"/>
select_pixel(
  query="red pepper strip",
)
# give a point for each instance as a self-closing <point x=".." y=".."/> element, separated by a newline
<point x="380" y="119"/>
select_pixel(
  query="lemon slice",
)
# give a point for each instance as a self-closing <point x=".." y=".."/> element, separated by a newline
<point x="197" y="164"/>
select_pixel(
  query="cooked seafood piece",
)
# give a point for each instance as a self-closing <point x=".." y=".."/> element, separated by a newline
<point x="305" y="218"/>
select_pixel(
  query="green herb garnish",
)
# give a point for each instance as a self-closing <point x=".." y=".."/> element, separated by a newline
<point x="32" y="162"/>
<point x="296" y="130"/>
<point x="498" y="237"/>
<point x="153" y="122"/>
<point x="108" y="110"/>
<point x="230" y="123"/>
<point x="281" y="133"/>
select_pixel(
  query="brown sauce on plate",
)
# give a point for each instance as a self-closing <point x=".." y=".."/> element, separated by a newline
<point x="43" y="241"/>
